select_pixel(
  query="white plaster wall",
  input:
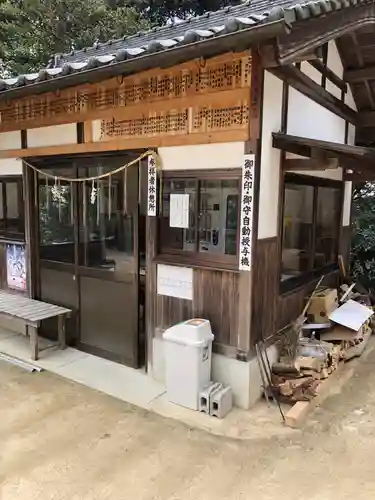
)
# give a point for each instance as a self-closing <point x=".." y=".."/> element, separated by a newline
<point x="57" y="135"/>
<point x="243" y="377"/>
<point x="347" y="208"/>
<point x="334" y="64"/>
<point x="349" y="99"/>
<point x="10" y="140"/>
<point x="351" y="135"/>
<point x="311" y="72"/>
<point x="306" y="118"/>
<point x="270" y="158"/>
<point x="204" y="156"/>
<point x="10" y="166"/>
<point x="334" y="60"/>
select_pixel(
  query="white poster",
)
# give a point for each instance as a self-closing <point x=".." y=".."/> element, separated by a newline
<point x="151" y="187"/>
<point x="16" y="267"/>
<point x="179" y="211"/>
<point x="247" y="208"/>
<point x="175" y="281"/>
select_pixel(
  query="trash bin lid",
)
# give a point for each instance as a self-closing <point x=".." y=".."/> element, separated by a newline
<point x="194" y="332"/>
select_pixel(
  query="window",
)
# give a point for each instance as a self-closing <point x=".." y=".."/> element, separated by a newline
<point x="311" y="221"/>
<point x="199" y="216"/>
<point x="89" y="224"/>
<point x="11" y="208"/>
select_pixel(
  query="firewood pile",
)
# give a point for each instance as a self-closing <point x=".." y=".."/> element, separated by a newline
<point x="334" y="327"/>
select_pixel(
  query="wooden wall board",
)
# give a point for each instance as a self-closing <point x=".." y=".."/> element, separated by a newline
<point x="123" y="144"/>
<point x="195" y="78"/>
<point x="215" y="297"/>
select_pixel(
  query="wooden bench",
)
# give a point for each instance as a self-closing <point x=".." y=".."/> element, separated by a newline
<point x="32" y="313"/>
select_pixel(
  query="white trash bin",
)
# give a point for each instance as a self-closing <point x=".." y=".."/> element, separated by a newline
<point x="188" y="361"/>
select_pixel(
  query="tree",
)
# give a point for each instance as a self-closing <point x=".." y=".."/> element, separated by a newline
<point x="34" y="30"/>
<point x="158" y="12"/>
<point x="363" y="242"/>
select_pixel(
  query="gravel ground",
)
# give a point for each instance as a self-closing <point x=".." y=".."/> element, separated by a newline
<point x="60" y="440"/>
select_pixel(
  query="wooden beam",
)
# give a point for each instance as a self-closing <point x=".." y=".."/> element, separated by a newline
<point x="329" y="74"/>
<point x="307" y="36"/>
<point x="304" y="84"/>
<point x="306" y="164"/>
<point x="133" y="111"/>
<point x="366" y="119"/>
<point x="363" y="176"/>
<point x="126" y="144"/>
<point x="359" y="75"/>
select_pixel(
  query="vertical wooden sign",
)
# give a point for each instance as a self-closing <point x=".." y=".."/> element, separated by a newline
<point x="151" y="187"/>
<point x="247" y="209"/>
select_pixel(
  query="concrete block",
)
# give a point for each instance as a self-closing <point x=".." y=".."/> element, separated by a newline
<point x="221" y="402"/>
<point x="205" y="396"/>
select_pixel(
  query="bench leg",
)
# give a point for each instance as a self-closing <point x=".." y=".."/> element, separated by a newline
<point x="33" y="332"/>
<point x="61" y="331"/>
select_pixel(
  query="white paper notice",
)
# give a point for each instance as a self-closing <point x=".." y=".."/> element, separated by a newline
<point x="179" y="211"/>
<point x="175" y="281"/>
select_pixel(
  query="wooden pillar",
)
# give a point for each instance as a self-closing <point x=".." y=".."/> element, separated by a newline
<point x="27" y="187"/>
<point x="253" y="146"/>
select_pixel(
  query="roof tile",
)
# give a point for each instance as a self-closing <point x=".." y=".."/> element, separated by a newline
<point x="180" y="32"/>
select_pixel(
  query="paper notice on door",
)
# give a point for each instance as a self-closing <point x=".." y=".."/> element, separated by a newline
<point x="179" y="211"/>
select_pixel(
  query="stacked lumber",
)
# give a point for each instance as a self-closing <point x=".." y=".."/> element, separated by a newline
<point x="300" y="380"/>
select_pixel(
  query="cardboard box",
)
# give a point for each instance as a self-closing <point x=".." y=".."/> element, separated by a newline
<point x="341" y="333"/>
<point x="322" y="304"/>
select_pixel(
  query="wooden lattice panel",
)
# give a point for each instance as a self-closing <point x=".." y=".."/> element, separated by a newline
<point x="224" y="73"/>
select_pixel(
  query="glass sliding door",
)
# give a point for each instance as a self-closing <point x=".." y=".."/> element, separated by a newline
<point x="57" y="249"/>
<point x="108" y="262"/>
<point x="88" y="251"/>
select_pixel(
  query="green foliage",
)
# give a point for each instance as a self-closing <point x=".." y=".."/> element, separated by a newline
<point x="32" y="31"/>
<point x="363" y="242"/>
<point x="160" y="11"/>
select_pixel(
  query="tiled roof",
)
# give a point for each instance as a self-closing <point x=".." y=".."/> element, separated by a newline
<point x="252" y="13"/>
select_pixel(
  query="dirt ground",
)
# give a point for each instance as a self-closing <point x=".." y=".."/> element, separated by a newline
<point x="60" y="440"/>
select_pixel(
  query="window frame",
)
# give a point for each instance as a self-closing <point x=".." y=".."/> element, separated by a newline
<point x="316" y="182"/>
<point x="176" y="256"/>
<point x="6" y="233"/>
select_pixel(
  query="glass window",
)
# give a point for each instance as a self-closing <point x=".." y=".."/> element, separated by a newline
<point x="206" y="222"/>
<point x="311" y="221"/>
<point x="218" y="217"/>
<point x="11" y="208"/>
<point x="327" y="225"/>
<point x="106" y="218"/>
<point x="94" y="219"/>
<point x="175" y="238"/>
<point x="297" y="231"/>
<point x="56" y="222"/>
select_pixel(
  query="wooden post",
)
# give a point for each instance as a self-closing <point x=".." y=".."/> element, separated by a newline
<point x="251" y="147"/>
<point x="61" y="331"/>
<point x="33" y="331"/>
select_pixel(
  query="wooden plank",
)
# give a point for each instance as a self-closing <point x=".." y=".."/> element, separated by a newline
<point x="301" y="164"/>
<point x="297" y="415"/>
<point x="88" y="102"/>
<point x="358" y="75"/>
<point x="126" y="144"/>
